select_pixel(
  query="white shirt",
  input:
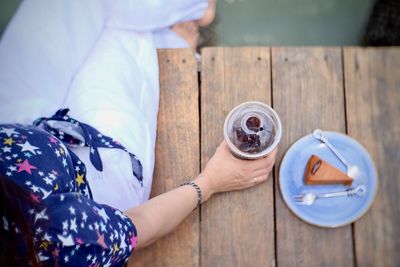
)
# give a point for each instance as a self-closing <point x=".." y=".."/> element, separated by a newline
<point x="99" y="59"/>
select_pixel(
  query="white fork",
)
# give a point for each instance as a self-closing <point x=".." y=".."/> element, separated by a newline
<point x="309" y="198"/>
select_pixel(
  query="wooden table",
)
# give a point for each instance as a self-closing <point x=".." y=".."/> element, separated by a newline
<point x="350" y="90"/>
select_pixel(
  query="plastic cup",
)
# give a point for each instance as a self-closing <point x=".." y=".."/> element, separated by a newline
<point x="252" y="130"/>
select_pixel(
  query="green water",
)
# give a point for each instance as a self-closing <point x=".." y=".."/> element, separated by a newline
<point x="7" y="10"/>
<point x="276" y="22"/>
<point x="292" y="22"/>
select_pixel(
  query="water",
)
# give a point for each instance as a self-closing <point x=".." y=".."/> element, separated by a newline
<point x="291" y="22"/>
<point x="276" y="22"/>
<point x="7" y="10"/>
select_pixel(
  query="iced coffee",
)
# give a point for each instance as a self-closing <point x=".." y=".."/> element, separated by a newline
<point x="252" y="130"/>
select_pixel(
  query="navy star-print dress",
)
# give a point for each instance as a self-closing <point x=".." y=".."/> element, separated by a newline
<point x="69" y="228"/>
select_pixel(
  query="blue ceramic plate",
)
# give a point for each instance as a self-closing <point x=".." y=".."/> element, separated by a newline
<point x="331" y="212"/>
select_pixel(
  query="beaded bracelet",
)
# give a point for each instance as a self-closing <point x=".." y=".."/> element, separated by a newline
<point x="198" y="190"/>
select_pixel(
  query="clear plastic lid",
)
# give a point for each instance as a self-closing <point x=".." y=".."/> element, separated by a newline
<point x="252" y="128"/>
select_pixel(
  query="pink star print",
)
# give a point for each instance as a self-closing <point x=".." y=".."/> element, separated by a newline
<point x="25" y="166"/>
<point x="133" y="241"/>
<point x="79" y="241"/>
<point x="35" y="198"/>
<point x="100" y="241"/>
<point x="52" y="140"/>
<point x="55" y="252"/>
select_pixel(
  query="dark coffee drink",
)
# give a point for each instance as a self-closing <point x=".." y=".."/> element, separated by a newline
<point x="254" y="134"/>
<point x="251" y="130"/>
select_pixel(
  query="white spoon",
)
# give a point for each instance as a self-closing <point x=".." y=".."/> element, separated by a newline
<point x="352" y="170"/>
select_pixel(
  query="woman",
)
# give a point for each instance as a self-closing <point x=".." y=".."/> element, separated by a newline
<point x="69" y="228"/>
<point x="75" y="188"/>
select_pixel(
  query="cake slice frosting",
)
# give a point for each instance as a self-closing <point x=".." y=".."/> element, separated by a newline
<point x="320" y="172"/>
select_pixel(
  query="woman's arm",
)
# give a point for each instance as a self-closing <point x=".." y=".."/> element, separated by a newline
<point x="161" y="214"/>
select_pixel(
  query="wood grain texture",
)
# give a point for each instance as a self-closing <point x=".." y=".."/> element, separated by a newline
<point x="372" y="82"/>
<point x="308" y="94"/>
<point x="177" y="156"/>
<point x="237" y="228"/>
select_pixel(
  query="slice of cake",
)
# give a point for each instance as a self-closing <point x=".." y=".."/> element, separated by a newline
<point x="320" y="172"/>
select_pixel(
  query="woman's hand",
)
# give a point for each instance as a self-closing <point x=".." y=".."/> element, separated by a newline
<point x="224" y="172"/>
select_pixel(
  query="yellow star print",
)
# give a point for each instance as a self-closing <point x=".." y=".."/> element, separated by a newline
<point x="44" y="244"/>
<point x="8" y="141"/>
<point x="116" y="249"/>
<point x="79" y="179"/>
<point x="56" y="187"/>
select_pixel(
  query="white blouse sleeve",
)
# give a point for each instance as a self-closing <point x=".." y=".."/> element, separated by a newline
<point x="150" y="15"/>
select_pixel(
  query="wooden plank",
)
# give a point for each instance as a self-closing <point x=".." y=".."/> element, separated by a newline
<point x="372" y="82"/>
<point x="308" y="94"/>
<point x="237" y="228"/>
<point x="177" y="156"/>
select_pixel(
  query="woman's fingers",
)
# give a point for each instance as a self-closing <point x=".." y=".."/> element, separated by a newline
<point x="262" y="163"/>
<point x="261" y="172"/>
<point x="225" y="172"/>
<point x="188" y="31"/>
<point x="260" y="179"/>
<point x="253" y="181"/>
